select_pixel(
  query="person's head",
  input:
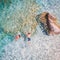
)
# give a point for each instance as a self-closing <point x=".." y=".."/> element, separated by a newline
<point x="43" y="17"/>
<point x="52" y="18"/>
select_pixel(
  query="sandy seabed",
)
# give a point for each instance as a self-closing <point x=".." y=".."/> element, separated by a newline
<point x="41" y="46"/>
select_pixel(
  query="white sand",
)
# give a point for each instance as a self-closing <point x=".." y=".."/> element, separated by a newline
<point x="41" y="47"/>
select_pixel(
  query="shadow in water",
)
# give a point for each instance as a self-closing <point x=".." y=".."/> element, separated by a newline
<point x="41" y="25"/>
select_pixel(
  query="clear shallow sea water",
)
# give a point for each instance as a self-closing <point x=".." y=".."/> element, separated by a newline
<point x="42" y="47"/>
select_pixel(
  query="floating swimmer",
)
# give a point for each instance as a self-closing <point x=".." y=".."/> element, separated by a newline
<point x="50" y="23"/>
<point x="17" y="37"/>
<point x="28" y="35"/>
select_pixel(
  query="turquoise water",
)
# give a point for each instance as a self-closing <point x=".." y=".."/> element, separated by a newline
<point x="9" y="8"/>
<point x="6" y="9"/>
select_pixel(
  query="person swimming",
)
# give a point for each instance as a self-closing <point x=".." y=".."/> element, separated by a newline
<point x="50" y="23"/>
<point x="53" y="27"/>
<point x="17" y="37"/>
<point x="27" y="35"/>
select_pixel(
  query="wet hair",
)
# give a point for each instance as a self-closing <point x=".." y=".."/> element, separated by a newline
<point x="47" y="22"/>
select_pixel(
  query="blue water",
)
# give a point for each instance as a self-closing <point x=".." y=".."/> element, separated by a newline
<point x="52" y="6"/>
